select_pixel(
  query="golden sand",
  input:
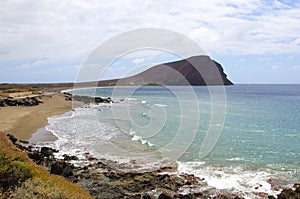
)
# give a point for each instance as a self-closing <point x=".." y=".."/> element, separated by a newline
<point x="22" y="122"/>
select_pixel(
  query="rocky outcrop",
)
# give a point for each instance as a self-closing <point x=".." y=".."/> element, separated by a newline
<point x="21" y="178"/>
<point x="12" y="138"/>
<point x="292" y="193"/>
<point x="102" y="179"/>
<point x="87" y="99"/>
<point x="106" y="179"/>
<point x="34" y="101"/>
<point x="28" y="101"/>
<point x="111" y="183"/>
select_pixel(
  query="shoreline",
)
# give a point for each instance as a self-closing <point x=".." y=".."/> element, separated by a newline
<point x="23" y="122"/>
<point x="104" y="178"/>
<point x="42" y="135"/>
<point x="27" y="121"/>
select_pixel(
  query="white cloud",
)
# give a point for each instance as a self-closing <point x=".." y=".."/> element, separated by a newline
<point x="275" y="67"/>
<point x="297" y="41"/>
<point x="138" y="60"/>
<point x="70" y="30"/>
<point x="297" y="68"/>
<point x="241" y="60"/>
<point x="36" y="63"/>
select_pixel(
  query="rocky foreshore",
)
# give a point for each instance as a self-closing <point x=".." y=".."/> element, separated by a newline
<point x="87" y="99"/>
<point x="26" y="101"/>
<point x="36" y="100"/>
<point x="104" y="179"/>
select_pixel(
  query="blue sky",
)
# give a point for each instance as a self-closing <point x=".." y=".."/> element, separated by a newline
<point x="48" y="41"/>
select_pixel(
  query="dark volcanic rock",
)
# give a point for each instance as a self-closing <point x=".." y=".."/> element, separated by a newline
<point x="290" y="193"/>
<point x="12" y="138"/>
<point x="28" y="101"/>
<point x="24" y="141"/>
<point x="104" y="179"/>
<point x="68" y="158"/>
<point x="57" y="168"/>
<point x="68" y="171"/>
<point x="61" y="168"/>
<point x="47" y="151"/>
<point x="112" y="183"/>
<point x="87" y="99"/>
<point x="36" y="156"/>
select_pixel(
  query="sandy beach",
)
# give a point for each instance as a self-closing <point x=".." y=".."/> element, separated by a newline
<point x="22" y="122"/>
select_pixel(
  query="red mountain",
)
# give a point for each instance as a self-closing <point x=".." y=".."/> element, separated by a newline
<point x="196" y="70"/>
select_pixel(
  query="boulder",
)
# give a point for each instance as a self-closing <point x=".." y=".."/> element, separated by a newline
<point x="166" y="195"/>
<point x="57" y="168"/>
<point x="12" y="138"/>
<point x="36" y="157"/>
<point x="68" y="158"/>
<point x="67" y="171"/>
<point x="47" y="151"/>
<point x="290" y="193"/>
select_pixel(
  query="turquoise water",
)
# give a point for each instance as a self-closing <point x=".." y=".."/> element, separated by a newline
<point x="254" y="131"/>
<point x="262" y="122"/>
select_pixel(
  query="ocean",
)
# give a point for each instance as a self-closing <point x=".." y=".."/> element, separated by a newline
<point x="241" y="138"/>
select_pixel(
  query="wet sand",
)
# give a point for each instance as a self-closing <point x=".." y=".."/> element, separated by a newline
<point x="22" y="122"/>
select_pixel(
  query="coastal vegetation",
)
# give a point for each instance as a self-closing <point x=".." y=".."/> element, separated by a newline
<point x="21" y="178"/>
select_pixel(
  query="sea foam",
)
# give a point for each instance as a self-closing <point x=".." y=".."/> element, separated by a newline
<point x="238" y="180"/>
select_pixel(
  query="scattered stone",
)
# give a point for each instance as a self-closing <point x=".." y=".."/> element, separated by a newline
<point x="106" y="179"/>
<point x="68" y="158"/>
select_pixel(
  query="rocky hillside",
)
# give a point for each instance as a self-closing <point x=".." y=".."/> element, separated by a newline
<point x="197" y="70"/>
<point x="21" y="178"/>
<point x="101" y="178"/>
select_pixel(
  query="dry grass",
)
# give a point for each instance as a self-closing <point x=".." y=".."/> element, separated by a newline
<point x="21" y="178"/>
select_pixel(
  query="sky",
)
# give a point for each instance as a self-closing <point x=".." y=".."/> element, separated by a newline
<point x="256" y="41"/>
